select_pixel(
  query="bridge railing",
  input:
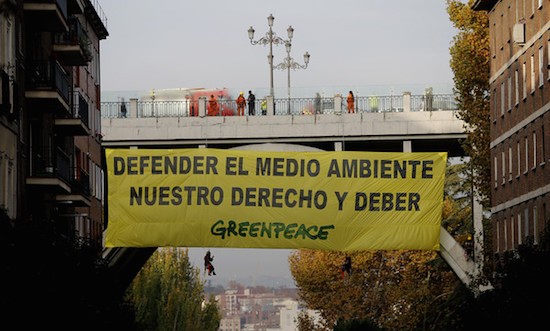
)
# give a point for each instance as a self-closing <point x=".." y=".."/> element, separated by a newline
<point x="283" y="106"/>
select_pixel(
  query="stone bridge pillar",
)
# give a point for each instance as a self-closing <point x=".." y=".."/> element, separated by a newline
<point x="270" y="105"/>
<point x="406" y="101"/>
<point x="202" y="106"/>
<point x="133" y="108"/>
<point x="338" y="104"/>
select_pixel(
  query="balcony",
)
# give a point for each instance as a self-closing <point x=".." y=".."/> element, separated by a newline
<point x="96" y="17"/>
<point x="50" y="170"/>
<point x="73" y="47"/>
<point x="48" y="86"/>
<point x="78" y="230"/>
<point x="80" y="190"/>
<point x="46" y="15"/>
<point x="77" y="124"/>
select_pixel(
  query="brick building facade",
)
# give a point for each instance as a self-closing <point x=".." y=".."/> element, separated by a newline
<point x="520" y="119"/>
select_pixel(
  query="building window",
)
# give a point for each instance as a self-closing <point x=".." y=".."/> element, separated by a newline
<point x="502" y="99"/>
<point x="505" y="234"/>
<point x="526" y="155"/>
<point x="516" y="87"/>
<point x="534" y="149"/>
<point x="533" y="81"/>
<point x="494" y="105"/>
<point x="540" y="3"/>
<point x="526" y="220"/>
<point x="512" y="237"/>
<point x="510" y="175"/>
<point x="541" y="66"/>
<point x="520" y="239"/>
<point x="518" y="161"/>
<point x="524" y="77"/>
<point x="548" y="57"/>
<point x="503" y="161"/>
<point x="509" y="93"/>
<point x="497" y="234"/>
<point x="543" y="146"/>
<point x="495" y="160"/>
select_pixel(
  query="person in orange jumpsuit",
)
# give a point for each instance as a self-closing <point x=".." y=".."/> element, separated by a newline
<point x="351" y="102"/>
<point x="241" y="103"/>
<point x="213" y="103"/>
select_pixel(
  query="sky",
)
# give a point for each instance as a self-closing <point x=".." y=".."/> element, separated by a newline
<point x="364" y="45"/>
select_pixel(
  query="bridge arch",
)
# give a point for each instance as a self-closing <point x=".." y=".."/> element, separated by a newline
<point x="281" y="147"/>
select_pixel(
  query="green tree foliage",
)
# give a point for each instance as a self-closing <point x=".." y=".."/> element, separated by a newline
<point x="457" y="203"/>
<point x="168" y="295"/>
<point x="470" y="65"/>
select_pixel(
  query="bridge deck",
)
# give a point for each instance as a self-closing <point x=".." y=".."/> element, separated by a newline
<point x="427" y="131"/>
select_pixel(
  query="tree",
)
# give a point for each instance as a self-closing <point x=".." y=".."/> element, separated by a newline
<point x="457" y="204"/>
<point x="397" y="290"/>
<point x="470" y="64"/>
<point x="168" y="294"/>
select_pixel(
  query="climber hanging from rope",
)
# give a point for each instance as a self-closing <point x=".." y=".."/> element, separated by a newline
<point x="208" y="266"/>
<point x="346" y="267"/>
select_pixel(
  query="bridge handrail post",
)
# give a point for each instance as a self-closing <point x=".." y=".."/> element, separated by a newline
<point x="406" y="101"/>
<point x="337" y="103"/>
<point x="202" y="106"/>
<point x="270" y="105"/>
<point x="133" y="108"/>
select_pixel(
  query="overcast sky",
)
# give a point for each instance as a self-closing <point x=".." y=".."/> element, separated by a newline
<point x="360" y="44"/>
<point x="353" y="43"/>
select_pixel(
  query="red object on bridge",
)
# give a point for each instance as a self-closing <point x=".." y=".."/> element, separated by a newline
<point x="210" y="111"/>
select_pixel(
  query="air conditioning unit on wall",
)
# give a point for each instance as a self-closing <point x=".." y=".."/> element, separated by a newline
<point x="518" y="34"/>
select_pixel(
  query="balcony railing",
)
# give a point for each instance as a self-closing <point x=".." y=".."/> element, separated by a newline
<point x="78" y="230"/>
<point x="81" y="182"/>
<point x="80" y="108"/>
<point x="48" y="161"/>
<point x="49" y="75"/>
<point x="282" y="107"/>
<point x="73" y="47"/>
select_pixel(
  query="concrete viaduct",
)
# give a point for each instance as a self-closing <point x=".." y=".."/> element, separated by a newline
<point x="404" y="130"/>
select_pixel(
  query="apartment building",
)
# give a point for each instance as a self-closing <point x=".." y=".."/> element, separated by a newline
<point x="520" y="119"/>
<point x="51" y="178"/>
<point x="259" y="309"/>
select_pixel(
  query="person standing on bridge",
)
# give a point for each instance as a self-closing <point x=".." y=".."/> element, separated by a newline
<point x="241" y="103"/>
<point x="213" y="103"/>
<point x="351" y="102"/>
<point x="251" y="103"/>
<point x="123" y="111"/>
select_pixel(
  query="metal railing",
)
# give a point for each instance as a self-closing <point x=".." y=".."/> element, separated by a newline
<point x="80" y="108"/>
<point x="51" y="161"/>
<point x="289" y="106"/>
<point x="49" y="75"/>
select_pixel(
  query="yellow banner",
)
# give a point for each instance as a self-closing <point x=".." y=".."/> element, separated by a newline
<point x="340" y="201"/>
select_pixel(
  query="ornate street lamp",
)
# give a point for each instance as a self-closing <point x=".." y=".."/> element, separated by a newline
<point x="288" y="63"/>
<point x="270" y="39"/>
